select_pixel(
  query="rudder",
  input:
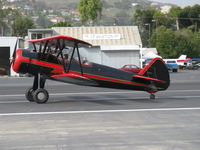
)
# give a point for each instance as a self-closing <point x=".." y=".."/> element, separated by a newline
<point x="157" y="69"/>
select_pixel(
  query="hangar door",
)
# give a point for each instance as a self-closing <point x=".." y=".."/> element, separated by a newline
<point x="4" y="60"/>
<point x="92" y="54"/>
<point x="119" y="58"/>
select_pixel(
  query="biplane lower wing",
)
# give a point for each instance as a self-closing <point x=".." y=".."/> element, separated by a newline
<point x="74" y="78"/>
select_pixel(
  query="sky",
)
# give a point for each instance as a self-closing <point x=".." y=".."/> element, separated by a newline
<point x="181" y="3"/>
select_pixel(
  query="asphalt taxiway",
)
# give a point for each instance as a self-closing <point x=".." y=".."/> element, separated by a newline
<point x="79" y="117"/>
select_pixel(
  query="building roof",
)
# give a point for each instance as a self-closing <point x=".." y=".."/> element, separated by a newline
<point x="104" y="35"/>
<point x="40" y="30"/>
<point x="147" y="50"/>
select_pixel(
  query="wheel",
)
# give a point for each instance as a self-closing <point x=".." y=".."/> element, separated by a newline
<point x="29" y="94"/>
<point x="152" y="96"/>
<point x="41" y="96"/>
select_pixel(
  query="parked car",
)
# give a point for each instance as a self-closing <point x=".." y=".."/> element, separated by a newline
<point x="172" y="65"/>
<point x="146" y="62"/>
<point x="196" y="66"/>
<point x="131" y="68"/>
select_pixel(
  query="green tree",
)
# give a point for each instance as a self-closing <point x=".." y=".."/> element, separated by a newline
<point x="21" y="26"/>
<point x="189" y="16"/>
<point x="143" y="19"/>
<point x="183" y="43"/>
<point x="89" y="10"/>
<point x="62" y="24"/>
<point x="174" y="16"/>
<point x="7" y="17"/>
<point x="195" y="42"/>
<point x="143" y="16"/>
<point x="2" y="24"/>
<point x="11" y="16"/>
<point x="161" y="19"/>
<point x="164" y="40"/>
<point x="171" y="44"/>
<point x="187" y="42"/>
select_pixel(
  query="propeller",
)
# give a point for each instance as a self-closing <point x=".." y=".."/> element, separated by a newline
<point x="14" y="53"/>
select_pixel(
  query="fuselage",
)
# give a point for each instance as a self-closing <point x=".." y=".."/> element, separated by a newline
<point x="180" y="61"/>
<point x="27" y="61"/>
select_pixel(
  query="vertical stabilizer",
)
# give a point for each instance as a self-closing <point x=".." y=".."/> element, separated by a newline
<point x="182" y="57"/>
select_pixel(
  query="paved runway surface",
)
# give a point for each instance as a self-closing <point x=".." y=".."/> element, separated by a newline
<point x="87" y="118"/>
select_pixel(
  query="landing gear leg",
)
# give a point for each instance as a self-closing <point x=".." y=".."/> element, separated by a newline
<point x="37" y="93"/>
<point x="152" y="96"/>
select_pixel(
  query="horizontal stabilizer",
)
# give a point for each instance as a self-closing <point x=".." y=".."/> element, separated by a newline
<point x="183" y="57"/>
<point x="138" y="77"/>
<point x="74" y="78"/>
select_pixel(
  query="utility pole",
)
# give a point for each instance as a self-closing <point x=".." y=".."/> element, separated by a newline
<point x="177" y="24"/>
<point x="155" y="30"/>
<point x="149" y="25"/>
<point x="2" y="31"/>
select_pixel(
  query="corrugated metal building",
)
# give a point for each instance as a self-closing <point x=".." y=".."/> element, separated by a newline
<point x="113" y="45"/>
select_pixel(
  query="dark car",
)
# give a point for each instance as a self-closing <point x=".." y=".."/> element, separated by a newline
<point x="196" y="66"/>
<point x="131" y="68"/>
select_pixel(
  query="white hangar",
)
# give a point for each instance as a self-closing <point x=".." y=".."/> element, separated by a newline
<point x="7" y="47"/>
<point x="114" y="46"/>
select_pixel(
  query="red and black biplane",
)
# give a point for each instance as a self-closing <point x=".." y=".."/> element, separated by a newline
<point x="58" y="58"/>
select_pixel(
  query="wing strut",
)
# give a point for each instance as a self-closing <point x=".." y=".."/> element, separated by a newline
<point x="70" y="62"/>
<point x="79" y="58"/>
<point x="34" y="46"/>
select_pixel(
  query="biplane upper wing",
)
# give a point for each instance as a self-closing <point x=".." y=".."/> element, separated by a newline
<point x="68" y="41"/>
<point x="74" y="78"/>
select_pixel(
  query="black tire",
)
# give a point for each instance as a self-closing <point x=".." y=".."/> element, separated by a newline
<point x="152" y="96"/>
<point x="29" y="94"/>
<point x="175" y="70"/>
<point x="41" y="96"/>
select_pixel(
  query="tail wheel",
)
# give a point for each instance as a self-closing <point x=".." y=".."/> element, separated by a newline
<point x="29" y="94"/>
<point x="41" y="96"/>
<point x="152" y="96"/>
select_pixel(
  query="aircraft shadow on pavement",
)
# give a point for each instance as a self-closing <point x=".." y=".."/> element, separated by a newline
<point x="93" y="100"/>
<point x="75" y="99"/>
<point x="105" y="100"/>
<point x="114" y="99"/>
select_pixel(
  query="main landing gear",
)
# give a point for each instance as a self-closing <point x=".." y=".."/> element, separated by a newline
<point x="37" y="93"/>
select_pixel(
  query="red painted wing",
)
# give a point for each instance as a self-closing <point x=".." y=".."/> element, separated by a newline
<point x="69" y="41"/>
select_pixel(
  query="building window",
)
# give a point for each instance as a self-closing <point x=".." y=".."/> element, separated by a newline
<point x="36" y="36"/>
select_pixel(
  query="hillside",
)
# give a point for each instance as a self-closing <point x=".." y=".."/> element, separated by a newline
<point x="114" y="11"/>
<point x="60" y="4"/>
<point x="47" y="12"/>
<point x="126" y="4"/>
